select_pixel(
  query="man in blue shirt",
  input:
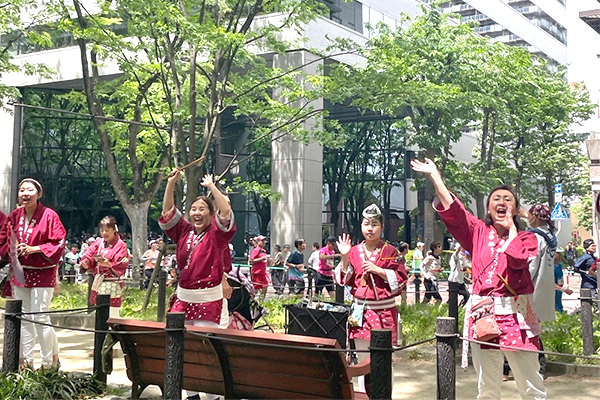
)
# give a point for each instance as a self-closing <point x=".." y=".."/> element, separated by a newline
<point x="295" y="265"/>
<point x="584" y="266"/>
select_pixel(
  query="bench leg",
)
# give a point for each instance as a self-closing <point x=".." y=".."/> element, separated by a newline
<point x="136" y="390"/>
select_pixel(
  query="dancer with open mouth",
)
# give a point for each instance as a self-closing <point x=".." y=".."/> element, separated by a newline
<point x="499" y="310"/>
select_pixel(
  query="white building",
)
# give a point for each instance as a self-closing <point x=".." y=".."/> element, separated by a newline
<point x="539" y="25"/>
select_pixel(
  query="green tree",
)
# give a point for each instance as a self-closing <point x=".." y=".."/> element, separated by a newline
<point x="338" y="162"/>
<point x="423" y="71"/>
<point x="447" y="79"/>
<point x="584" y="212"/>
<point x="19" y="20"/>
<point x="184" y="66"/>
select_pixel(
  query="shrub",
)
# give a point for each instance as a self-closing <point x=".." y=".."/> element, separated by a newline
<point x="564" y="336"/>
<point x="48" y="383"/>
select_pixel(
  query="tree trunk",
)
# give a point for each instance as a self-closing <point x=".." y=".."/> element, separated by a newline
<point x="138" y="216"/>
<point x="479" y="203"/>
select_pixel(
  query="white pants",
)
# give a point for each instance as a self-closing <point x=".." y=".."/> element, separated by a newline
<point x="524" y="365"/>
<point x="37" y="299"/>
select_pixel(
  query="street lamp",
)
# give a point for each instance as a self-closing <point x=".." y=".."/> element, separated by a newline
<point x="593" y="149"/>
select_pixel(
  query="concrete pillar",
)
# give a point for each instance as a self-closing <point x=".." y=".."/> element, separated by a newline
<point x="297" y="173"/>
<point x="10" y="150"/>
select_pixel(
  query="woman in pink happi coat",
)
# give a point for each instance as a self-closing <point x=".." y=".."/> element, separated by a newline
<point x="202" y="252"/>
<point x="375" y="278"/>
<point x="107" y="258"/>
<point x="40" y="237"/>
<point x="501" y="254"/>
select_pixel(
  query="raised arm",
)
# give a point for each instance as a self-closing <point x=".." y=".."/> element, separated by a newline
<point x="221" y="202"/>
<point x="169" y="198"/>
<point x="429" y="169"/>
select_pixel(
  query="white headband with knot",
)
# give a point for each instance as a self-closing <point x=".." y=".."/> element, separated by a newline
<point x="371" y="211"/>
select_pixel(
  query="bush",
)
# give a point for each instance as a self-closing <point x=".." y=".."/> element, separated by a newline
<point x="564" y="336"/>
<point x="419" y="320"/>
<point x="48" y="383"/>
<point x="70" y="296"/>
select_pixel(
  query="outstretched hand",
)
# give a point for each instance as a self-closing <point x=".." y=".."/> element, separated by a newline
<point x="207" y="181"/>
<point x="428" y="167"/>
<point x="344" y="244"/>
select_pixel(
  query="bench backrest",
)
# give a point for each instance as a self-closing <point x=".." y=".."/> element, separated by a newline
<point x="240" y="364"/>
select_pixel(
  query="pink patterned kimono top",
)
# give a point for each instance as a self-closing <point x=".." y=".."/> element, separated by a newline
<point x="202" y="260"/>
<point x="45" y="230"/>
<point x="117" y="254"/>
<point x="496" y="263"/>
<point x="376" y="294"/>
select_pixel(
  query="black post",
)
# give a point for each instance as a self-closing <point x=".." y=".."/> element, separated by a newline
<point x="12" y="336"/>
<point x="381" y="363"/>
<point x="417" y="283"/>
<point x="102" y="313"/>
<point x="339" y="294"/>
<point x="453" y="301"/>
<point x="408" y="155"/>
<point x="174" y="361"/>
<point x="446" y="363"/>
<point x="162" y="295"/>
<point x="586" y="322"/>
<point x="90" y="280"/>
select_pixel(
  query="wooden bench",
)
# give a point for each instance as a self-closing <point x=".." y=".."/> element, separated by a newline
<point x="241" y="364"/>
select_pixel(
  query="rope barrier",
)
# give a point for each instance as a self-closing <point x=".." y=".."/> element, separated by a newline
<point x="73" y="310"/>
<point x="413" y="344"/>
<point x="551" y="353"/>
<point x="90" y="330"/>
<point x="284" y="346"/>
<point x="315" y="348"/>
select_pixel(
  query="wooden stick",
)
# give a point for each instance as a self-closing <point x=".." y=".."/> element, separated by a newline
<point x="374" y="287"/>
<point x="191" y="163"/>
<point x="186" y="166"/>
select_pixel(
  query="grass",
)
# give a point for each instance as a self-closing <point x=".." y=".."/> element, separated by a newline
<point x="74" y="295"/>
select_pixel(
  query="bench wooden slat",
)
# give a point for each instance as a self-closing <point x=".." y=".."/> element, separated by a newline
<point x="283" y="382"/>
<point x="209" y="372"/>
<point x="151" y="352"/>
<point x="253" y="368"/>
<point x="275" y="367"/>
<point x="252" y="392"/>
<point x="303" y="357"/>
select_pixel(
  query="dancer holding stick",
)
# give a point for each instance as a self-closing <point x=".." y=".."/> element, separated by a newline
<point x="375" y="278"/>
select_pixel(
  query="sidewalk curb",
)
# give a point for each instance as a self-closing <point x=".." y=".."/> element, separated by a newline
<point x="573" y="369"/>
<point x="74" y="320"/>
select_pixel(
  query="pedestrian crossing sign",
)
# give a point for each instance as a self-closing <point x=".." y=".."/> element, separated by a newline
<point x="559" y="213"/>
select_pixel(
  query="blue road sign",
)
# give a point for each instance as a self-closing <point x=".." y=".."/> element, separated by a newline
<point x="559" y="213"/>
<point x="558" y="188"/>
